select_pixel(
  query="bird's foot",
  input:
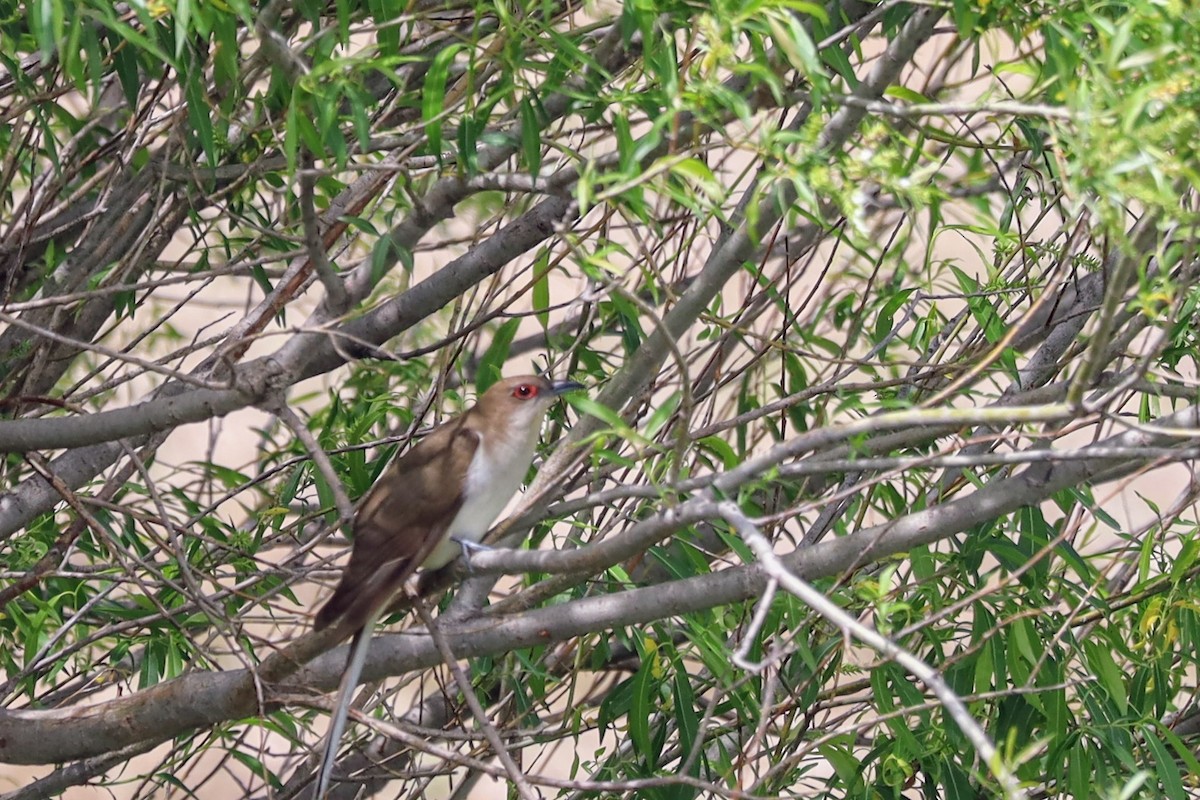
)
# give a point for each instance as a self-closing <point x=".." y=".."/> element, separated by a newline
<point x="469" y="547"/>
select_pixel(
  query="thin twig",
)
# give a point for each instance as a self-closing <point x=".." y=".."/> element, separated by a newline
<point x="468" y="691"/>
<point x="341" y="500"/>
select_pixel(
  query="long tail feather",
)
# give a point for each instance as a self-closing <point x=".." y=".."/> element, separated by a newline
<point x="341" y="710"/>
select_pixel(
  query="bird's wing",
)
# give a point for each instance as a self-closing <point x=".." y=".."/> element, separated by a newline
<point x="399" y="522"/>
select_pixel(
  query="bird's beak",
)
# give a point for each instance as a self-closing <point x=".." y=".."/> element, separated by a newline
<point x="562" y="387"/>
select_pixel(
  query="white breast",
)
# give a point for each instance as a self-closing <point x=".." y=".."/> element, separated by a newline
<point x="493" y="478"/>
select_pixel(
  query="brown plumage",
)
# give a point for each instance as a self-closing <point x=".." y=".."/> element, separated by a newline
<point x="400" y="519"/>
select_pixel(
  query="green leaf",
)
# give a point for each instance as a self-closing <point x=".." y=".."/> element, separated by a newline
<point x="1182" y="751"/>
<point x="966" y="282"/>
<point x="433" y="96"/>
<point x="685" y="710"/>
<point x="468" y="146"/>
<point x="491" y="363"/>
<point x="1186" y="559"/>
<point x="291" y="133"/>
<point x="385" y="254"/>
<point x="183" y="19"/>
<point x="1079" y="772"/>
<point x="886" y="318"/>
<point x="198" y="111"/>
<point x="796" y="45"/>
<point x="904" y="93"/>
<point x="585" y="405"/>
<point x="957" y="782"/>
<point x="262" y="279"/>
<point x="641" y="709"/>
<point x="847" y="765"/>
<point x="1165" y="767"/>
<point x="1110" y="676"/>
<point x="722" y="449"/>
<point x="697" y="172"/>
<point x="46" y="22"/>
<point x="531" y="139"/>
<point x="541" y="289"/>
<point x="965" y="17"/>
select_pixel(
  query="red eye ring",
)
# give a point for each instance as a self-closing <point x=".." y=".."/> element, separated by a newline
<point x="525" y="391"/>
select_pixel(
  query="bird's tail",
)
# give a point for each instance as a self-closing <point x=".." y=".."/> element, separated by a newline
<point x="341" y="709"/>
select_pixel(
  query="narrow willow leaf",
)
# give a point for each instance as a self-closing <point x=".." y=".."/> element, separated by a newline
<point x="385" y="254"/>
<point x="183" y="20"/>
<point x="1110" y="676"/>
<point x="198" y="109"/>
<point x="47" y="24"/>
<point x="492" y="361"/>
<point x="433" y="96"/>
<point x="905" y="93"/>
<point x="468" y="155"/>
<point x="291" y="134"/>
<point x="541" y="289"/>
<point x="1165" y="768"/>
<point x="641" y="709"/>
<point x="531" y="139"/>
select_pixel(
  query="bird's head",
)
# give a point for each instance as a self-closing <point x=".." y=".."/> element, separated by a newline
<point x="521" y="402"/>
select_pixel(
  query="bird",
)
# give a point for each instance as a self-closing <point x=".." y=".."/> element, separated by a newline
<point x="437" y="499"/>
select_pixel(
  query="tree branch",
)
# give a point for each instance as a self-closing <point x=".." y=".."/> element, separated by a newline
<point x="203" y="699"/>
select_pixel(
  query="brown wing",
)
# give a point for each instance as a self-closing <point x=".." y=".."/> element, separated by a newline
<point x="399" y="522"/>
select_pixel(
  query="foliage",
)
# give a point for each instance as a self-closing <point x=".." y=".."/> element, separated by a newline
<point x="910" y="286"/>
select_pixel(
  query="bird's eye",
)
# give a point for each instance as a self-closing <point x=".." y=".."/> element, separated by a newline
<point x="525" y="391"/>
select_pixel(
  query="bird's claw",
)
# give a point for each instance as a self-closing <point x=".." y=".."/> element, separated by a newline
<point x="469" y="547"/>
